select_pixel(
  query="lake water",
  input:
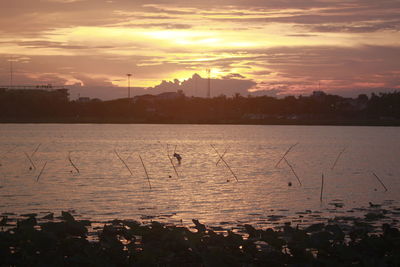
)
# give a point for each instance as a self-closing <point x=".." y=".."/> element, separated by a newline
<point x="104" y="188"/>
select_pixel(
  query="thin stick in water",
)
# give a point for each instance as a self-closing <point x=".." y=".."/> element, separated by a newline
<point x="44" y="166"/>
<point x="37" y="148"/>
<point x="376" y="176"/>
<point x="70" y="161"/>
<point x="145" y="170"/>
<point x="223" y="154"/>
<point x="337" y="158"/>
<point x="322" y="187"/>
<point x="30" y="160"/>
<point x="287" y="162"/>
<point x="226" y="164"/>
<point x="287" y="151"/>
<point x="172" y="163"/>
<point x="116" y="153"/>
<point x="170" y="159"/>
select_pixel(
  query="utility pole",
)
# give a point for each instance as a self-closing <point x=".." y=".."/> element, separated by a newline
<point x="209" y="83"/>
<point x="129" y="85"/>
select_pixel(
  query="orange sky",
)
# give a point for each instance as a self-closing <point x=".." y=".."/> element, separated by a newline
<point x="283" y="47"/>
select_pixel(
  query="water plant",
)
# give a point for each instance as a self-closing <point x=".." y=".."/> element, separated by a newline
<point x="41" y="171"/>
<point x="123" y="162"/>
<point x="226" y="164"/>
<point x="380" y="181"/>
<point x="30" y="160"/>
<point x="291" y="167"/>
<point x="322" y="187"/>
<point x="337" y="158"/>
<point x="223" y="154"/>
<point x="284" y="155"/>
<point x="70" y="161"/>
<point x="145" y="170"/>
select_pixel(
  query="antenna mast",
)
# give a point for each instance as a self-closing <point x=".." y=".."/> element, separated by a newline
<point x="195" y="86"/>
<point x="209" y="83"/>
<point x="11" y="71"/>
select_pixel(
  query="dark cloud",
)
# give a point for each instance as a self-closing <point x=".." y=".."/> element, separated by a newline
<point x="261" y="72"/>
<point x="233" y="76"/>
<point x="302" y="35"/>
<point x="168" y="26"/>
<point x="69" y="46"/>
<point x="317" y="19"/>
<point x="47" y="44"/>
<point x="32" y="16"/>
<point x="372" y="27"/>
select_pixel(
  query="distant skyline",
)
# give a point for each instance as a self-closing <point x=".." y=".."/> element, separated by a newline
<point x="282" y="47"/>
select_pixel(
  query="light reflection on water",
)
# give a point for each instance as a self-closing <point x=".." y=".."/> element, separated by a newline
<point x="104" y="188"/>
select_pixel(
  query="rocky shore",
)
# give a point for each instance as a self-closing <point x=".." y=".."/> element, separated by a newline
<point x="30" y="240"/>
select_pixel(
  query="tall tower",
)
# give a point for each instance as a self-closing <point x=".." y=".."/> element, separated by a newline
<point x="209" y="83"/>
<point x="11" y="71"/>
<point x="195" y="86"/>
<point x="129" y="85"/>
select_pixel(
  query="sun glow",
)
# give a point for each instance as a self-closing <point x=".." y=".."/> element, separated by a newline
<point x="271" y="43"/>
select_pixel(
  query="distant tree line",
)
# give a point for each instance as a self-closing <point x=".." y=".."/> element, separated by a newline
<point x="175" y="107"/>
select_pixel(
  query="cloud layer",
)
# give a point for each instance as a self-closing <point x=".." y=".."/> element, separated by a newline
<point x="278" y="46"/>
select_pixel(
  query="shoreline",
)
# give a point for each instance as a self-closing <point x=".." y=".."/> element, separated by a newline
<point x="372" y="123"/>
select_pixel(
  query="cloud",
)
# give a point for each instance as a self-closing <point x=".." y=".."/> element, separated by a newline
<point x="47" y="44"/>
<point x="302" y="35"/>
<point x="363" y="27"/>
<point x="233" y="76"/>
<point x="279" y="46"/>
<point x="33" y="16"/>
<point x="198" y="86"/>
<point x="168" y="26"/>
<point x="269" y="92"/>
<point x="336" y="68"/>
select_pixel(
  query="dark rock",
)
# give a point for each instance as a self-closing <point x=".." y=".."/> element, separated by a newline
<point x="315" y="227"/>
<point x="200" y="227"/>
<point x="49" y="216"/>
<point x="27" y="223"/>
<point x="66" y="216"/>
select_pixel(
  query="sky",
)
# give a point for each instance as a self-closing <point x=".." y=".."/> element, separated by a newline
<point x="273" y="47"/>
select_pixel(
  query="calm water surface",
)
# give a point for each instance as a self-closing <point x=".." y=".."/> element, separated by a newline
<point x="104" y="189"/>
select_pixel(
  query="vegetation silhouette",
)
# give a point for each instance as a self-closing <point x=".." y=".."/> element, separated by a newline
<point x="175" y="107"/>
<point x="65" y="241"/>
